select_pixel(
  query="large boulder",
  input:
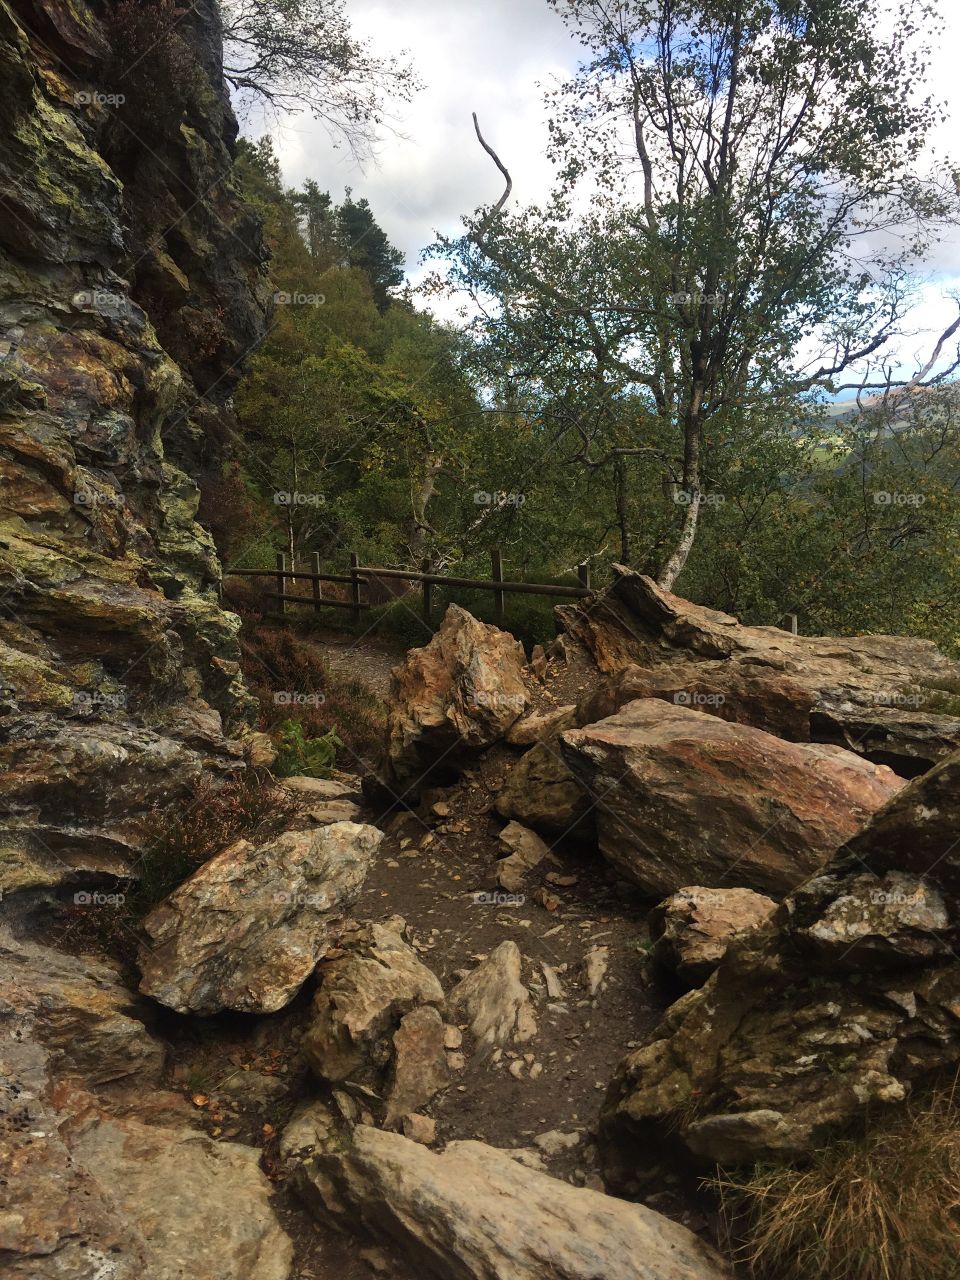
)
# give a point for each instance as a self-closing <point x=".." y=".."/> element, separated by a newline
<point x="889" y="698"/>
<point x="247" y="929"/>
<point x="458" y="694"/>
<point x="682" y="796"/>
<point x="91" y="1190"/>
<point x="848" y="1000"/>
<point x="376" y="1022"/>
<point x="474" y="1212"/>
<point x="692" y="929"/>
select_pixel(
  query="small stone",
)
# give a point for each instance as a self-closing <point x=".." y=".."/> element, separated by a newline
<point x="420" y="1128"/>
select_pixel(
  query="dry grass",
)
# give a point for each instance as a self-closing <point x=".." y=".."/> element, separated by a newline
<point x="883" y="1206"/>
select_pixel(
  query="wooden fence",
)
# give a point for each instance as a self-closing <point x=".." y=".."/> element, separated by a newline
<point x="359" y="575"/>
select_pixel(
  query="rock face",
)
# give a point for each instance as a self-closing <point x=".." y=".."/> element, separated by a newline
<point x="847" y="1000"/>
<point x="247" y="929"/>
<point x="96" y="1192"/>
<point x="693" y="928"/>
<point x="494" y="1000"/>
<point x="376" y="1022"/>
<point x="459" y="693"/>
<point x="131" y="280"/>
<point x="474" y="1212"/>
<point x="684" y="796"/>
<point x="890" y="698"/>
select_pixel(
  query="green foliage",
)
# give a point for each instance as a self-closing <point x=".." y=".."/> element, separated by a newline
<point x="298" y="755"/>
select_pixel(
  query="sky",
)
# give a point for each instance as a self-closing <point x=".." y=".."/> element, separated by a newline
<point x="495" y="58"/>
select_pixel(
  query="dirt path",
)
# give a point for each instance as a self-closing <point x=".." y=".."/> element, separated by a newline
<point x="437" y="869"/>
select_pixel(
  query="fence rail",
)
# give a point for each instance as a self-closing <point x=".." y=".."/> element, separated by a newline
<point x="360" y="576"/>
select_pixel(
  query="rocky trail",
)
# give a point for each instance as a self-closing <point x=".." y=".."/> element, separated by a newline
<point x="602" y="919"/>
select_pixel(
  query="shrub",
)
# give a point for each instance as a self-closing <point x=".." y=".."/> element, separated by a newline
<point x="284" y="671"/>
<point x="298" y="755"/>
<point x="883" y="1205"/>
<point x="176" y="840"/>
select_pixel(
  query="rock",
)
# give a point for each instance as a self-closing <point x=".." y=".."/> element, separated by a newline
<point x="554" y="987"/>
<point x="440" y="1209"/>
<point x="554" y="1142"/>
<point x="98" y="1192"/>
<point x="78" y="1010"/>
<point x="888" y="698"/>
<point x="335" y="811"/>
<point x="202" y="1208"/>
<point x="682" y="795"/>
<point x="494" y="1000"/>
<point x="322" y="791"/>
<point x="247" y="929"/>
<point x="525" y="851"/>
<point x="531" y="728"/>
<point x="847" y="1000"/>
<point x="261" y="753"/>
<point x="452" y="1037"/>
<point x="420" y="1129"/>
<point x="254" y="1088"/>
<point x="420" y="1067"/>
<point x="460" y="693"/>
<point x="541" y="792"/>
<point x="917" y="830"/>
<point x="376" y="1020"/>
<point x="693" y="928"/>
<point x="595" y="965"/>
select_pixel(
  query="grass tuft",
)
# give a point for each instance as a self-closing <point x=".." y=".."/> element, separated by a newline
<point x="881" y="1206"/>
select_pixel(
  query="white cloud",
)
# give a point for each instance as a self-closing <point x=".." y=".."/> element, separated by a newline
<point x="494" y="58"/>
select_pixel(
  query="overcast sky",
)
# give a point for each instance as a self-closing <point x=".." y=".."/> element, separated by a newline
<point x="492" y="58"/>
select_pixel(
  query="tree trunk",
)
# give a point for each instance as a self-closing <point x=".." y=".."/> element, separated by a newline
<point x="620" y="482"/>
<point x="691" y="485"/>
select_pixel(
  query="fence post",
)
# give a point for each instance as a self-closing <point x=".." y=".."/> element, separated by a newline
<point x="355" y="584"/>
<point x="317" y="587"/>
<point x="496" y="564"/>
<point x="583" y="573"/>
<point x="427" y="567"/>
<point x="281" y="582"/>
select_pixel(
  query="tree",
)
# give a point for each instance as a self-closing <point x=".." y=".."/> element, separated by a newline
<point x="753" y="164"/>
<point x="296" y="54"/>
<point x="366" y="246"/>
